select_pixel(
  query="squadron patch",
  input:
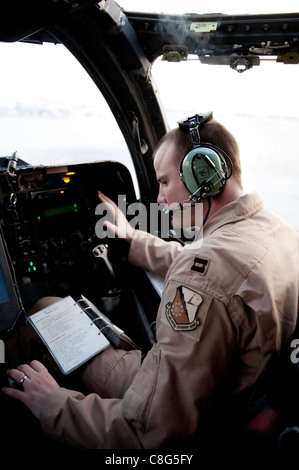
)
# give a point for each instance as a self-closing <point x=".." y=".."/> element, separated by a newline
<point x="181" y="312"/>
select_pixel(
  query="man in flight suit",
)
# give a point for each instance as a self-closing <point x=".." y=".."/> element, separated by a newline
<point x="230" y="302"/>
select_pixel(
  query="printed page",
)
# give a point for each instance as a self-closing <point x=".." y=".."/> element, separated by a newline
<point x="68" y="333"/>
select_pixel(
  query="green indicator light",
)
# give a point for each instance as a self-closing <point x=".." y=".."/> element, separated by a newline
<point x="61" y="210"/>
<point x="31" y="263"/>
<point x="29" y="270"/>
<point x="38" y="218"/>
<point x="34" y="268"/>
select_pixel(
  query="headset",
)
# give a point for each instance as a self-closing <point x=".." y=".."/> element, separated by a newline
<point x="203" y="169"/>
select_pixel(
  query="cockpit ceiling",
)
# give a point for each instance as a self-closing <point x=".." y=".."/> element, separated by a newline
<point x="174" y="37"/>
<point x="22" y="18"/>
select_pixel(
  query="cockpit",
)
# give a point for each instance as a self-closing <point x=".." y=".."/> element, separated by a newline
<point x="88" y="89"/>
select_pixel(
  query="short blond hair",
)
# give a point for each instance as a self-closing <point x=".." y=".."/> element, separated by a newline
<point x="212" y="133"/>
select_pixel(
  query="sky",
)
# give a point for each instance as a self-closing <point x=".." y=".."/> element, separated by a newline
<point x="211" y="6"/>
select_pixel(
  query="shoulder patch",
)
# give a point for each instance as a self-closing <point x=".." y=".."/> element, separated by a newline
<point x="200" y="265"/>
<point x="185" y="309"/>
<point x="181" y="312"/>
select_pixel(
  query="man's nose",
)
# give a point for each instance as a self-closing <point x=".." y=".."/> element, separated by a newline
<point x="161" y="199"/>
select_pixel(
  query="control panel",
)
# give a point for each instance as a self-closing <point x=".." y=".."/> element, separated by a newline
<point x="48" y="220"/>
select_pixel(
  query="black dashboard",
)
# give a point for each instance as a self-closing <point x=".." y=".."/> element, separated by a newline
<point x="48" y="219"/>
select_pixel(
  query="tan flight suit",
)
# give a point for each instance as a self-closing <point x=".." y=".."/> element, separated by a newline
<point x="229" y="303"/>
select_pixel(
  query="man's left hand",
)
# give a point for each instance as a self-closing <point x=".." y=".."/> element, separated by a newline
<point x="37" y="384"/>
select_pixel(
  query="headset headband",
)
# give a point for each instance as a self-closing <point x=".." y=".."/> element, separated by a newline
<point x="193" y="124"/>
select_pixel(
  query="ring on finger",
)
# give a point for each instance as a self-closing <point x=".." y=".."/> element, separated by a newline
<point x="24" y="378"/>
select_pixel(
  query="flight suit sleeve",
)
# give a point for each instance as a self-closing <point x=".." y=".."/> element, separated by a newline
<point x="87" y="421"/>
<point x="175" y="383"/>
<point x="152" y="253"/>
<point x="183" y="375"/>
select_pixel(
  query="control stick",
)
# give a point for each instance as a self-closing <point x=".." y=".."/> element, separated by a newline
<point x="101" y="251"/>
<point x="111" y="300"/>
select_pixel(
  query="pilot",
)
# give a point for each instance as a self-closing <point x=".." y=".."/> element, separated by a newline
<point x="230" y="302"/>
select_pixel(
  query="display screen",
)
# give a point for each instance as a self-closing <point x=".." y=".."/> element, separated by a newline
<point x="61" y="210"/>
<point x="3" y="289"/>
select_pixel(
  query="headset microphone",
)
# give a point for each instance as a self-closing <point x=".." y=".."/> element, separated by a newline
<point x="179" y="207"/>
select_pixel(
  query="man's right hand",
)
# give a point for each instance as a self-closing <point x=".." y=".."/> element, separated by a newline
<point x="121" y="228"/>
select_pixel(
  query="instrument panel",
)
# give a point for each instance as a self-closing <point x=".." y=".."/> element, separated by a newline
<point x="48" y="221"/>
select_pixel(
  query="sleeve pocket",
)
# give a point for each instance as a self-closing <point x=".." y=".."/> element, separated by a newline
<point x="138" y="398"/>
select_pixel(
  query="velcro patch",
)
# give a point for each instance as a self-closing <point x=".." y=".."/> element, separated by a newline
<point x="200" y="265"/>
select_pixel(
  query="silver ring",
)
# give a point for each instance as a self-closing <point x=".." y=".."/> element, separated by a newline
<point x="24" y="378"/>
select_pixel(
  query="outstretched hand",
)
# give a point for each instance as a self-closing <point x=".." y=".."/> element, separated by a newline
<point x="37" y="384"/>
<point x="120" y="227"/>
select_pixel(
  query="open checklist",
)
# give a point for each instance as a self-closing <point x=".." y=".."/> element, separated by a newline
<point x="70" y="335"/>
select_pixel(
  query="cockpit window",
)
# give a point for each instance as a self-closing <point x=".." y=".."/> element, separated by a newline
<point x="260" y="107"/>
<point x="51" y="112"/>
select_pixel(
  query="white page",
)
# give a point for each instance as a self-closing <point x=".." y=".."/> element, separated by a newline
<point x="69" y="334"/>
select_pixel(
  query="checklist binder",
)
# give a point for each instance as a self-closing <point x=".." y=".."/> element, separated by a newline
<point x="75" y="331"/>
<point x="115" y="335"/>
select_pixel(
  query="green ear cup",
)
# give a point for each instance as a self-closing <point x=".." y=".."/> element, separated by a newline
<point x="203" y="171"/>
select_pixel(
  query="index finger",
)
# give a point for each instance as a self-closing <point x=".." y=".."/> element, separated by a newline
<point x="102" y="196"/>
<point x="105" y="198"/>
